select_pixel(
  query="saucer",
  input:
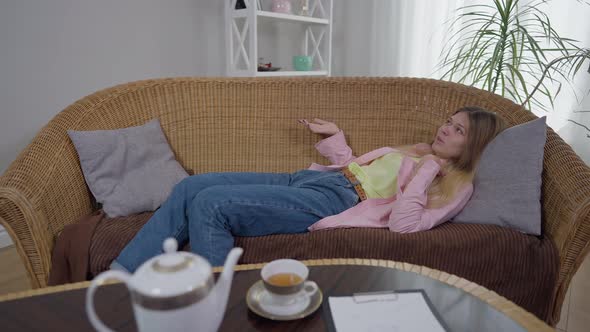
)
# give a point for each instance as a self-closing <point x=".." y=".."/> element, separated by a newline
<point x="295" y="304"/>
<point x="257" y="293"/>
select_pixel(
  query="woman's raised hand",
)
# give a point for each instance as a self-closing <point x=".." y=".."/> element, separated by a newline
<point x="321" y="127"/>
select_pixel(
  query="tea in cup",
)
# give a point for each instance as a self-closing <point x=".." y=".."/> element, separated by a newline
<point x="287" y="289"/>
<point x="284" y="279"/>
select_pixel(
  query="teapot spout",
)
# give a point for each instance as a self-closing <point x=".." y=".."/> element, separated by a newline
<point x="223" y="286"/>
<point x="230" y="262"/>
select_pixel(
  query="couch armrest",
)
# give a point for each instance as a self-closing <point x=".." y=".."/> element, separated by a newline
<point x="566" y="209"/>
<point x="42" y="191"/>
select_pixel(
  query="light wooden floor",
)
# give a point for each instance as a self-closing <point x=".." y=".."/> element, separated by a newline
<point x="575" y="316"/>
<point x="13" y="276"/>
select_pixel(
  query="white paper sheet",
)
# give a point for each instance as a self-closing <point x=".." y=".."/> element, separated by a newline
<point x="399" y="312"/>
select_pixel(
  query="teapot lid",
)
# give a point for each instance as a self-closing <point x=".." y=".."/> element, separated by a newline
<point x="173" y="273"/>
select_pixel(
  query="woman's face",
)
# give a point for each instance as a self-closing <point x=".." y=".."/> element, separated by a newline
<point x="451" y="137"/>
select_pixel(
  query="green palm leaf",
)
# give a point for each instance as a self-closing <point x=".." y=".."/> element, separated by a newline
<point x="505" y="45"/>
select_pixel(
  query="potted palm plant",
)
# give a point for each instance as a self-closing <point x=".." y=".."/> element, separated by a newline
<point x="504" y="45"/>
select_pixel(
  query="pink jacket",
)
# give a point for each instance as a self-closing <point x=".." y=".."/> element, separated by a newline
<point x="406" y="212"/>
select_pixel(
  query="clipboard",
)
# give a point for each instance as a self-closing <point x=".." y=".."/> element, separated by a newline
<point x="368" y="297"/>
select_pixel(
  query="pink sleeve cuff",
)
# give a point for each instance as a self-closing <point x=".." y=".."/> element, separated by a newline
<point x="335" y="149"/>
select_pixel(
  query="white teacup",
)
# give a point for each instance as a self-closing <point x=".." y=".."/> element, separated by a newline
<point x="287" y="289"/>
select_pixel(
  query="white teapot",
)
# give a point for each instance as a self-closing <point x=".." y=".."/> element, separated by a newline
<point x="172" y="292"/>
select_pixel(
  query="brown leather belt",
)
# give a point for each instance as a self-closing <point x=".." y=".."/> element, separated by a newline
<point x="357" y="185"/>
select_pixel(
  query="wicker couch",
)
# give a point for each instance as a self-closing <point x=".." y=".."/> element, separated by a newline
<point x="249" y="125"/>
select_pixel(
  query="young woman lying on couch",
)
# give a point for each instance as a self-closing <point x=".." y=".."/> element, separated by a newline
<point x="408" y="189"/>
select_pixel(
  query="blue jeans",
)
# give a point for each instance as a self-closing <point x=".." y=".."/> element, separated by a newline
<point x="210" y="209"/>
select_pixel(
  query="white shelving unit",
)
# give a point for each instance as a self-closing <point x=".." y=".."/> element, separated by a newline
<point x="242" y="37"/>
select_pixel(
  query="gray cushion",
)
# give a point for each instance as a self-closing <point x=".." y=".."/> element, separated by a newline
<point x="507" y="183"/>
<point x="128" y="170"/>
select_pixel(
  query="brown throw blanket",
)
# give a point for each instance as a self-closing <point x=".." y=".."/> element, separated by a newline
<point x="520" y="267"/>
<point x="69" y="260"/>
<point x="73" y="257"/>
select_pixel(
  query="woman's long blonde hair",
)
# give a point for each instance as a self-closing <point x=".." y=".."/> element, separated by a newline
<point x="483" y="127"/>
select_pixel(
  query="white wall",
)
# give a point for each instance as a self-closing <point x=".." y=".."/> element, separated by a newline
<point x="55" y="52"/>
<point x="570" y="18"/>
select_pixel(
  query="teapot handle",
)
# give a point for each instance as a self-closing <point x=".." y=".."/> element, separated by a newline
<point x="98" y="281"/>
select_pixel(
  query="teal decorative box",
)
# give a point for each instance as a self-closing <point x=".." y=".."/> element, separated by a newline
<point x="302" y="62"/>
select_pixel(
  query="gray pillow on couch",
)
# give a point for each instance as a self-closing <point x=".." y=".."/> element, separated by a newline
<point x="507" y="183"/>
<point x="128" y="170"/>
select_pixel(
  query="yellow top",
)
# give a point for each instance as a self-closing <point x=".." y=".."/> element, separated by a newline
<point x="379" y="178"/>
